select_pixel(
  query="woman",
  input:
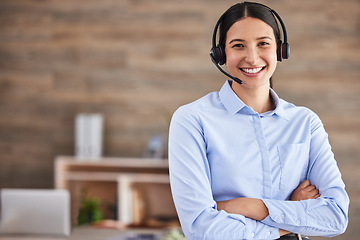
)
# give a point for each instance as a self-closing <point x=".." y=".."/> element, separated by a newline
<point x="245" y="164"/>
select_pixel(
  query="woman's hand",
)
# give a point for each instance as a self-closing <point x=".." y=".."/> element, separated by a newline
<point x="305" y="191"/>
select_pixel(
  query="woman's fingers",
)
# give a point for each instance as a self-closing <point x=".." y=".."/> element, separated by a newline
<point x="309" y="188"/>
<point x="317" y="196"/>
<point x="305" y="191"/>
<point x="304" y="184"/>
<point x="314" y="193"/>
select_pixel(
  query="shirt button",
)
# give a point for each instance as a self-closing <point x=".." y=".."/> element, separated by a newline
<point x="282" y="216"/>
<point x="252" y="235"/>
<point x="297" y="222"/>
<point x="268" y="233"/>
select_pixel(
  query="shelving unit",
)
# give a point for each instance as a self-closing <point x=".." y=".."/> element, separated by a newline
<point x="103" y="178"/>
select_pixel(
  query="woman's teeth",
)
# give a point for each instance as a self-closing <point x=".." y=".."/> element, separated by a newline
<point x="251" y="70"/>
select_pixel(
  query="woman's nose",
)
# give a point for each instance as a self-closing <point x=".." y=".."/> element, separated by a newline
<point x="252" y="56"/>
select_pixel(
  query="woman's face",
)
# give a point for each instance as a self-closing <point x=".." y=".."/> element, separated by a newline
<point x="251" y="52"/>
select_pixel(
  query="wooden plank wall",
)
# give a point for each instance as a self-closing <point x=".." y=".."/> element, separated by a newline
<point x="136" y="61"/>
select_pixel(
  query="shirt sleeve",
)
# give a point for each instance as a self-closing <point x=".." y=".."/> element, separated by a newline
<point x="325" y="216"/>
<point x="191" y="187"/>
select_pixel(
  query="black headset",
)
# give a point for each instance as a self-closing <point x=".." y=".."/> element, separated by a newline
<point x="217" y="52"/>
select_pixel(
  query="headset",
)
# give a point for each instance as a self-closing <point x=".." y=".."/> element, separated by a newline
<point x="218" y="55"/>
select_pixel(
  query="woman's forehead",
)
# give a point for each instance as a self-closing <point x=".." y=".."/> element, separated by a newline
<point x="250" y="28"/>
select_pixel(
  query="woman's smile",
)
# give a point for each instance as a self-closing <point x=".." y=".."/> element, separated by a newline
<point x="251" y="72"/>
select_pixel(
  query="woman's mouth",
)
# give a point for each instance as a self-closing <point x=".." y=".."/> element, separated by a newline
<point x="252" y="70"/>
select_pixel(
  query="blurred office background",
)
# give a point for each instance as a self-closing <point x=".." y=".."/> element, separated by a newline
<point x="136" y="61"/>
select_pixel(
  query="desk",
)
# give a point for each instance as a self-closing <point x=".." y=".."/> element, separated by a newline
<point x="86" y="233"/>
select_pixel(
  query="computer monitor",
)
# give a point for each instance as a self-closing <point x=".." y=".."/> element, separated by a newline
<point x="35" y="211"/>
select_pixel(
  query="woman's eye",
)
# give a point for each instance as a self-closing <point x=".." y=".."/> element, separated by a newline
<point x="239" y="45"/>
<point x="264" y="43"/>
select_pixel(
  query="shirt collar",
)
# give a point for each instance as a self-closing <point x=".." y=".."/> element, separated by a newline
<point x="234" y="104"/>
<point x="279" y="105"/>
<point x="229" y="99"/>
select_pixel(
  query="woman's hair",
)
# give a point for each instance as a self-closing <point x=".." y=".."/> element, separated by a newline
<point x="243" y="10"/>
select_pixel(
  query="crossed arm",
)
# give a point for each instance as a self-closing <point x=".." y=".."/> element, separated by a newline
<point x="256" y="209"/>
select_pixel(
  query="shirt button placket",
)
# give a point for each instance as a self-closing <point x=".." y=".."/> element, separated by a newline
<point x="264" y="155"/>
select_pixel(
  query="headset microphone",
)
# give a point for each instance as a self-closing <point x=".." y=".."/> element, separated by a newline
<point x="217" y="52"/>
<point x="222" y="70"/>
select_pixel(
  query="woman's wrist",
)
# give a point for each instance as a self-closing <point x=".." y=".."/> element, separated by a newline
<point x="283" y="232"/>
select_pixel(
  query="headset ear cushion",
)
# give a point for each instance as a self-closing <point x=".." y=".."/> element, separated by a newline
<point x="222" y="54"/>
<point x="217" y="55"/>
<point x="214" y="55"/>
<point x="285" y="50"/>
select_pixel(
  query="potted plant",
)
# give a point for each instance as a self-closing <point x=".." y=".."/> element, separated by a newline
<point x="90" y="210"/>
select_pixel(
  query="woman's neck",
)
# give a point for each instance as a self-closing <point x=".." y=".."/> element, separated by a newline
<point x="258" y="98"/>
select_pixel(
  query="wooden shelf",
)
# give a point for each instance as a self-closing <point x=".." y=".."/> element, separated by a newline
<point x="100" y="178"/>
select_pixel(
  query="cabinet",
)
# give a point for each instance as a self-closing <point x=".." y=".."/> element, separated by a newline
<point x="132" y="190"/>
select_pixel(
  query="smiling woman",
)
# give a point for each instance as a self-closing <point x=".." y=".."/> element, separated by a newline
<point x="244" y="163"/>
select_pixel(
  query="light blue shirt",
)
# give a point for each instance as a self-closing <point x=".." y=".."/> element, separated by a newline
<point x="220" y="149"/>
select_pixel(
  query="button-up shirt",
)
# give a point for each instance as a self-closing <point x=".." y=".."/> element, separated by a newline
<point x="220" y="149"/>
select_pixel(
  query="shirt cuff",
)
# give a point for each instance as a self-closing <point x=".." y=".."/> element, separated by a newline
<point x="256" y="229"/>
<point x="283" y="214"/>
